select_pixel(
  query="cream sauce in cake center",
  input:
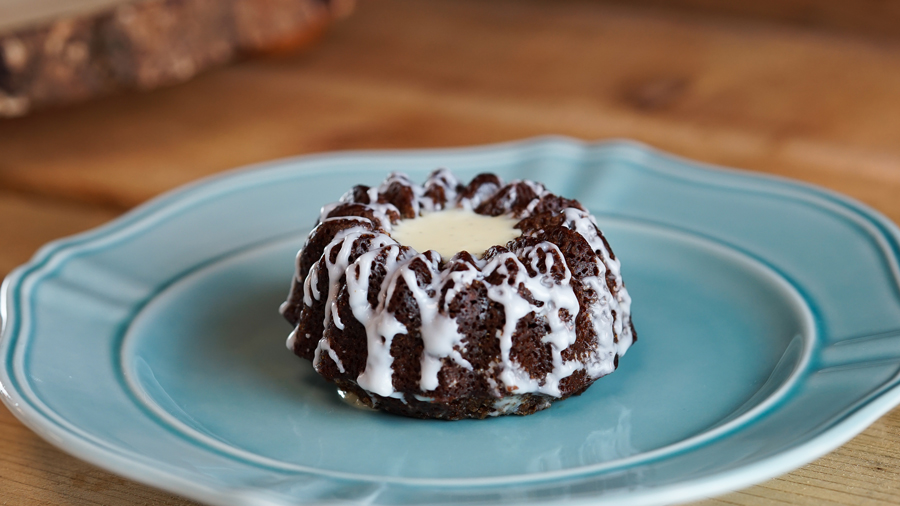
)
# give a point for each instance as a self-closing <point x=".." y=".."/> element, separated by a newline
<point x="451" y="231"/>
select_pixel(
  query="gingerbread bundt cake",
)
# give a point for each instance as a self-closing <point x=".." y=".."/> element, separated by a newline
<point x="505" y="327"/>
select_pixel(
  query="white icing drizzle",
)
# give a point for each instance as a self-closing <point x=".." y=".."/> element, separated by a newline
<point x="440" y="333"/>
<point x="325" y="346"/>
<point x="553" y="301"/>
<point x="554" y="297"/>
<point x="292" y="337"/>
<point x="381" y="325"/>
<point x="538" y="190"/>
<point x="483" y="193"/>
<point x="585" y="224"/>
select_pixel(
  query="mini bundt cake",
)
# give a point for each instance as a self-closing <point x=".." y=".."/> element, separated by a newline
<point x="534" y="317"/>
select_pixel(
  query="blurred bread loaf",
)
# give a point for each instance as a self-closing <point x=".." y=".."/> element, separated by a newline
<point x="60" y="51"/>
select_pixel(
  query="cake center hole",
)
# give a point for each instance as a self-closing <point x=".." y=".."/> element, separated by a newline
<point x="451" y="231"/>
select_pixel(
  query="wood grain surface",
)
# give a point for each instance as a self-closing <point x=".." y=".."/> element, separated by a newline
<point x="870" y="18"/>
<point x="811" y="105"/>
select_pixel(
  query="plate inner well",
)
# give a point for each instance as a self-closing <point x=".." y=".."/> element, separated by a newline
<point x="208" y="356"/>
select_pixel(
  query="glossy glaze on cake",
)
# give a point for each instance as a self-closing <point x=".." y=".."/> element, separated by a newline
<point x="481" y="333"/>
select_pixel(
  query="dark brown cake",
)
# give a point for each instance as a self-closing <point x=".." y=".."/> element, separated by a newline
<point x="532" y="321"/>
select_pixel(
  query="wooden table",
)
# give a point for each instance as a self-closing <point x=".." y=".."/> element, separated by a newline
<point x="816" y="106"/>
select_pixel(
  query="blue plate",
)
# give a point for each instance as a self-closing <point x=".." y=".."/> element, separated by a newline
<point x="769" y="316"/>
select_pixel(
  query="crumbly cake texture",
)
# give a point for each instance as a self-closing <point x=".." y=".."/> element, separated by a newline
<point x="533" y="321"/>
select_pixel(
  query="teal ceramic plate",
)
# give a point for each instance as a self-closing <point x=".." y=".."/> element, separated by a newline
<point x="768" y="314"/>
